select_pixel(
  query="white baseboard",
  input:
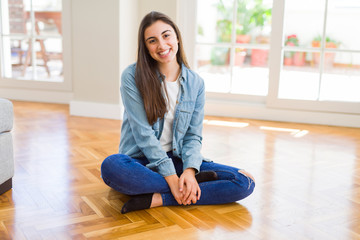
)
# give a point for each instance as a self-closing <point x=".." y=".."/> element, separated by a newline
<point x="261" y="112"/>
<point x="36" y="95"/>
<point x="96" y="110"/>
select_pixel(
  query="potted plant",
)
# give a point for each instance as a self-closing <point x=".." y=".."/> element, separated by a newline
<point x="329" y="56"/>
<point x="291" y="57"/>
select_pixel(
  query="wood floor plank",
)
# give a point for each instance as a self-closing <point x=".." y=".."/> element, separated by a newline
<point x="307" y="182"/>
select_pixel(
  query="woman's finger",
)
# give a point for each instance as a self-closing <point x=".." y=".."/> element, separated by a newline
<point x="181" y="184"/>
<point x="198" y="192"/>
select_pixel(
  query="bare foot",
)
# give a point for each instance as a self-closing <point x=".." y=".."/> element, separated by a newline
<point x="156" y="200"/>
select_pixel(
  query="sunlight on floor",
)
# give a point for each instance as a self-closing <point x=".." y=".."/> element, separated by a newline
<point x="294" y="132"/>
<point x="226" y="123"/>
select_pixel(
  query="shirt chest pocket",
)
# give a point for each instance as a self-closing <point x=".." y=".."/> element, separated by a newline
<point x="184" y="116"/>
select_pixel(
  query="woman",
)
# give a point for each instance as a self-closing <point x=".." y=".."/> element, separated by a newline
<point x="159" y="161"/>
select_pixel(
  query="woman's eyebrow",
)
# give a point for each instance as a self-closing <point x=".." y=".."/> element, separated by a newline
<point x="161" y="34"/>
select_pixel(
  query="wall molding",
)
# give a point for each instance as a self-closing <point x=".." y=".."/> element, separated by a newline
<point x="96" y="110"/>
<point x="36" y="95"/>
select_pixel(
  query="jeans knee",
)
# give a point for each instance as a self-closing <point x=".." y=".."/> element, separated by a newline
<point x="111" y="163"/>
<point x="246" y="184"/>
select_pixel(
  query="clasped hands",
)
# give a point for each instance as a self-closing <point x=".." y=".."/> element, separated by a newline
<point x="185" y="189"/>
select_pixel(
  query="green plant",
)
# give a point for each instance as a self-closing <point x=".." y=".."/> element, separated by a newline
<point x="292" y="40"/>
<point x="330" y="43"/>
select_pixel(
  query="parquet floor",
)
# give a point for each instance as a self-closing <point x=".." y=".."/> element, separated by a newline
<point x="307" y="182"/>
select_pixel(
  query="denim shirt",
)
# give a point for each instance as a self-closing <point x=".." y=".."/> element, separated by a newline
<point x="140" y="139"/>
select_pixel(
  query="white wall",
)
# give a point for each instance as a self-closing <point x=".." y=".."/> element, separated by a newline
<point x="168" y="7"/>
<point x="104" y="42"/>
<point x="113" y="36"/>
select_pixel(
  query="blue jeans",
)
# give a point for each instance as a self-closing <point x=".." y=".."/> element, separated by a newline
<point x="130" y="176"/>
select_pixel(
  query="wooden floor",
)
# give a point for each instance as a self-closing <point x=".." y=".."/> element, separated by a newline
<point x="307" y="182"/>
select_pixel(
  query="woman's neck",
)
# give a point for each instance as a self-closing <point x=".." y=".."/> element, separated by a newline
<point x="170" y="70"/>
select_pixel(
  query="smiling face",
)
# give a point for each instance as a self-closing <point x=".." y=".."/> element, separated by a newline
<point x="161" y="42"/>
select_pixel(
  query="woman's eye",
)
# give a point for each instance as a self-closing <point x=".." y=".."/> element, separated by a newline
<point x="166" y="35"/>
<point x="151" y="41"/>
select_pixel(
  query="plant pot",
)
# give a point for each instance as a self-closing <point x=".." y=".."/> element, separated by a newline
<point x="240" y="58"/>
<point x="243" y="38"/>
<point x="288" y="61"/>
<point x="328" y="56"/>
<point x="259" y="57"/>
<point x="299" y="59"/>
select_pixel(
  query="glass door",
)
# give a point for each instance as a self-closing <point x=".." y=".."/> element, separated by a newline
<point x="316" y="62"/>
<point x="232" y="46"/>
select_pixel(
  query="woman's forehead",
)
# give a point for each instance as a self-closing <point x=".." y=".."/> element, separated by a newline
<point x="156" y="29"/>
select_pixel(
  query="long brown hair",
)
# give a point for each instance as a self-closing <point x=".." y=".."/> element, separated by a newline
<point x="147" y="71"/>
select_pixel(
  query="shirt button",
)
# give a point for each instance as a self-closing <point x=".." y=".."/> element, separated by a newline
<point x="174" y="149"/>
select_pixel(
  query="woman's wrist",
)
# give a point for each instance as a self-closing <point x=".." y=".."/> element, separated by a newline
<point x="190" y="170"/>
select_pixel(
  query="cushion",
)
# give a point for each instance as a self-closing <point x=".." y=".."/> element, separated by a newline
<point x="6" y="157"/>
<point x="6" y="115"/>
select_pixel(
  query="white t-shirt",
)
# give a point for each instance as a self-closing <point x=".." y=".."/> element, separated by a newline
<point x="172" y="89"/>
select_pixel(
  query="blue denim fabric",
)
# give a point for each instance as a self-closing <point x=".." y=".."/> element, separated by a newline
<point x="130" y="176"/>
<point x="140" y="139"/>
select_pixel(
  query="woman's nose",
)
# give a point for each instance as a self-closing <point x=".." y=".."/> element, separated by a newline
<point x="161" y="44"/>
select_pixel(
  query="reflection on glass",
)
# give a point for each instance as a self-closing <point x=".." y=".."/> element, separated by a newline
<point x="299" y="77"/>
<point x="213" y="67"/>
<point x="217" y="28"/>
<point x="341" y="78"/>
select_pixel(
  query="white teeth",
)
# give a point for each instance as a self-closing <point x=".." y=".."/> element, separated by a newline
<point x="165" y="52"/>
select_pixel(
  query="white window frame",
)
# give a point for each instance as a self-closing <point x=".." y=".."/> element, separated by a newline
<point x="66" y="85"/>
<point x="275" y="66"/>
<point x="187" y="10"/>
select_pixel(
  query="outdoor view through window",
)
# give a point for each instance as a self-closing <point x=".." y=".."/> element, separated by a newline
<point x="31" y="37"/>
<point x="320" y="48"/>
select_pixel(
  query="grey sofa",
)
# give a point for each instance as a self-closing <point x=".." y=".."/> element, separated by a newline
<point x="6" y="145"/>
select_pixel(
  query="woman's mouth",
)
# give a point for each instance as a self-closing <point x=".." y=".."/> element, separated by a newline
<point x="164" y="53"/>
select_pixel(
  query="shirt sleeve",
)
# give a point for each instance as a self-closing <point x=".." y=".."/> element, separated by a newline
<point x="192" y="141"/>
<point x="142" y="131"/>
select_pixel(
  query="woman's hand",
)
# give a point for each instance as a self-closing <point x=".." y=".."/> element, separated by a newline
<point x="189" y="187"/>
<point x="173" y="182"/>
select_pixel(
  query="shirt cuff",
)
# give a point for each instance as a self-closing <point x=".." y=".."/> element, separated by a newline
<point x="195" y="164"/>
<point x="166" y="168"/>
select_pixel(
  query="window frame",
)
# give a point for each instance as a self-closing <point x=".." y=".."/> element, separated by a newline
<point x="66" y="84"/>
<point x="186" y="18"/>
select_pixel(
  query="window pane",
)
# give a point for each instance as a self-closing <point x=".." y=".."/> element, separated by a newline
<point x="49" y="59"/>
<point x="343" y="23"/>
<point x="250" y="79"/>
<point x="20" y="48"/>
<point x="298" y="14"/>
<point x="47" y="5"/>
<point x="218" y="27"/>
<point x="253" y="21"/>
<point x="299" y="78"/>
<point x="213" y="66"/>
<point x="341" y="77"/>
<point x="14" y="19"/>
